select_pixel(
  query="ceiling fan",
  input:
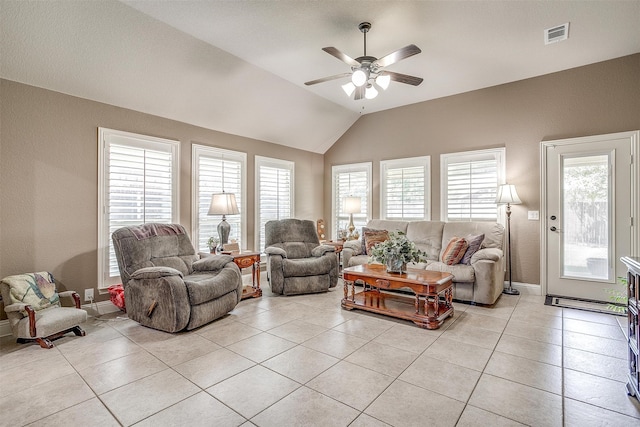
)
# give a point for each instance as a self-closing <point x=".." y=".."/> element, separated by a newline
<point x="367" y="72"/>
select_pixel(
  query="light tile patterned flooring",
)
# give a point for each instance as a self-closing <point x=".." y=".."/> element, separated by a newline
<point x="302" y="360"/>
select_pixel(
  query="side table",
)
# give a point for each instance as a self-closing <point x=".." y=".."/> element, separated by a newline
<point x="248" y="259"/>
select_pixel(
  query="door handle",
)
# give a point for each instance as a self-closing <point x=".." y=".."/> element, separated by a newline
<point x="554" y="229"/>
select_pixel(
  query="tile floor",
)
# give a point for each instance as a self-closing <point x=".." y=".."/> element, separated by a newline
<point x="302" y="360"/>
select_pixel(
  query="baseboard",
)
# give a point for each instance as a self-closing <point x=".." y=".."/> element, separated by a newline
<point x="526" y="288"/>
<point x="103" y="307"/>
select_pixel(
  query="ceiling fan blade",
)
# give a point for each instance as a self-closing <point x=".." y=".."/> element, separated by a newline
<point x="403" y="78"/>
<point x="398" y="55"/>
<point x="341" y="56"/>
<point x="359" y="94"/>
<point x="326" y="79"/>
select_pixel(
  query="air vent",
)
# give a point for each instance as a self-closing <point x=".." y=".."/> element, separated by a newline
<point x="556" y="34"/>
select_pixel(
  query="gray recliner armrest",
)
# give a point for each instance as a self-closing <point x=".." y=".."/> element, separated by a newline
<point x="319" y="251"/>
<point x="273" y="250"/>
<point x="155" y="273"/>
<point x="212" y="263"/>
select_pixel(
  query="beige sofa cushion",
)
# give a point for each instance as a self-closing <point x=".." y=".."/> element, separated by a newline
<point x="427" y="235"/>
<point x="461" y="272"/>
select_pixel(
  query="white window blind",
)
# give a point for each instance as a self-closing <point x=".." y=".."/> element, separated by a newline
<point x="138" y="184"/>
<point x="404" y="189"/>
<point x="350" y="181"/>
<point x="274" y="195"/>
<point x="217" y="170"/>
<point x="469" y="184"/>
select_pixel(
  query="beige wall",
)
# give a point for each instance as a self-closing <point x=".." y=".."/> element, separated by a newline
<point x="595" y="99"/>
<point x="49" y="178"/>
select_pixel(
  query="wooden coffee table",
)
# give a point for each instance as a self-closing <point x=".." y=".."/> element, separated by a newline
<point x="428" y="308"/>
<point x="248" y="259"/>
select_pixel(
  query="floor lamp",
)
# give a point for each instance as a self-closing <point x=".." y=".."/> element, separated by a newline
<point x="507" y="195"/>
<point x="223" y="204"/>
<point x="352" y="205"/>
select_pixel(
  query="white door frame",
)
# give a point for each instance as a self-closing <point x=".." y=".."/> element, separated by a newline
<point x="634" y="140"/>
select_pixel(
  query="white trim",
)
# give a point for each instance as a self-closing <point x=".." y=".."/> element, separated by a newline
<point x="198" y="150"/>
<point x="142" y="141"/>
<point x="422" y="161"/>
<point x="634" y="140"/>
<point x="277" y="164"/>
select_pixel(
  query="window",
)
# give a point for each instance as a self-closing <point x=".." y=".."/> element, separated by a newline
<point x="215" y="170"/>
<point x="469" y="184"/>
<point x="350" y="181"/>
<point x="274" y="193"/>
<point x="138" y="183"/>
<point x="404" y="189"/>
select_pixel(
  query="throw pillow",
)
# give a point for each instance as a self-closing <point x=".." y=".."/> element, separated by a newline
<point x="364" y="244"/>
<point x="373" y="237"/>
<point x="474" y="243"/>
<point x="35" y="289"/>
<point x="454" y="251"/>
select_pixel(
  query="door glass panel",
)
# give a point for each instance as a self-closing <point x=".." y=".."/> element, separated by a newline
<point x="586" y="217"/>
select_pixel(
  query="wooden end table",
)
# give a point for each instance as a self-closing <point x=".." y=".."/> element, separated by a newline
<point x="431" y="305"/>
<point x="244" y="260"/>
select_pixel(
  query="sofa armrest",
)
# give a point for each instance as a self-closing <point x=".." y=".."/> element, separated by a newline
<point x="73" y="295"/>
<point x="155" y="273"/>
<point x="212" y="263"/>
<point x="319" y="251"/>
<point x="355" y="246"/>
<point x="273" y="250"/>
<point x="488" y="254"/>
<point x="16" y="307"/>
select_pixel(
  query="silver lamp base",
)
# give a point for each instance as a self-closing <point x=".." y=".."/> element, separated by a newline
<point x="511" y="291"/>
<point x="223" y="231"/>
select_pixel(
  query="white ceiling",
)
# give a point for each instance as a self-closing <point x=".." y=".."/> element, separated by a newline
<point x="240" y="66"/>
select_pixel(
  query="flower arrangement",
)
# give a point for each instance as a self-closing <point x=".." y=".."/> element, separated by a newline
<point x="212" y="243"/>
<point x="396" y="252"/>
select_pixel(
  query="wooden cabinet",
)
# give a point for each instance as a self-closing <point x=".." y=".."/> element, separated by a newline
<point x="633" y="294"/>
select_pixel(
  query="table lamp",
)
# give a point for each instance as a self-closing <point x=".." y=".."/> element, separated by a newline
<point x="223" y="204"/>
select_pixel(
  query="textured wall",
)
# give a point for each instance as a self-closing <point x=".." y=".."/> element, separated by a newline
<point x="595" y="99"/>
<point x="49" y="178"/>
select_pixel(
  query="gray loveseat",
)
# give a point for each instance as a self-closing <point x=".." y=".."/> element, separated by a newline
<point x="480" y="282"/>
<point x="166" y="285"/>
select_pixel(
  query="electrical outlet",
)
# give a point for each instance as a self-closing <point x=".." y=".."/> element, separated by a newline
<point x="88" y="295"/>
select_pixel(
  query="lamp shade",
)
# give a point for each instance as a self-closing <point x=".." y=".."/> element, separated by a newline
<point x="223" y="204"/>
<point x="352" y="205"/>
<point x="507" y="194"/>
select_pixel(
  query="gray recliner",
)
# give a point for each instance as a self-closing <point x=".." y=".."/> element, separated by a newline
<point x="296" y="261"/>
<point x="166" y="285"/>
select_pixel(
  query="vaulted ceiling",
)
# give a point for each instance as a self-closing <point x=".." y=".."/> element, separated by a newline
<point x="240" y="66"/>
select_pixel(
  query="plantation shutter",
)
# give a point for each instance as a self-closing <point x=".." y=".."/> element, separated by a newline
<point x="138" y="184"/>
<point x="471" y="186"/>
<point x="351" y="183"/>
<point x="215" y="175"/>
<point x="275" y="186"/>
<point x="404" y="185"/>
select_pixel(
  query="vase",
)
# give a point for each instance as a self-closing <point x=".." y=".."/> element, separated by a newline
<point x="394" y="264"/>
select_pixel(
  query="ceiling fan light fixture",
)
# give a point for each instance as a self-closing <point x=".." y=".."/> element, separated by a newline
<point x="359" y="77"/>
<point x="383" y="81"/>
<point x="349" y="88"/>
<point x="370" y="92"/>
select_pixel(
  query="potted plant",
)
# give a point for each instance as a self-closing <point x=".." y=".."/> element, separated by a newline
<point x="618" y="297"/>
<point x="396" y="252"/>
<point x="212" y="243"/>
